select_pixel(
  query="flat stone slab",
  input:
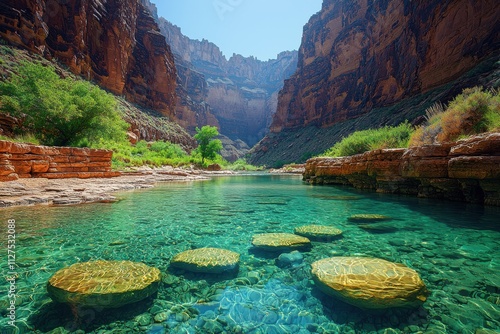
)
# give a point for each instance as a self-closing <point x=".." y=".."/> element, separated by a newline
<point x="207" y="260"/>
<point x="318" y="232"/>
<point x="368" y="217"/>
<point x="370" y="283"/>
<point x="106" y="284"/>
<point x="280" y="241"/>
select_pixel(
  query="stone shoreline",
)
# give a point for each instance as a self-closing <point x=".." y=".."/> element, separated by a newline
<point x="467" y="170"/>
<point x="73" y="191"/>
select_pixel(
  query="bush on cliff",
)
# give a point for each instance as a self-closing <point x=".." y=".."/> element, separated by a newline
<point x="60" y="111"/>
<point x="474" y="111"/>
<point x="372" y="139"/>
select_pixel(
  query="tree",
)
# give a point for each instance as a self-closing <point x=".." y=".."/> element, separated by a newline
<point x="207" y="146"/>
<point x="61" y="112"/>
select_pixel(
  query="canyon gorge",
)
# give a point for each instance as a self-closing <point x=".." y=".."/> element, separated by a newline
<point x="361" y="64"/>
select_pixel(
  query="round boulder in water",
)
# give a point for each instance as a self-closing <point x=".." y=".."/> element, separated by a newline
<point x="280" y="241"/>
<point x="207" y="260"/>
<point x="370" y="283"/>
<point x="318" y="232"/>
<point x="368" y="217"/>
<point x="106" y="284"/>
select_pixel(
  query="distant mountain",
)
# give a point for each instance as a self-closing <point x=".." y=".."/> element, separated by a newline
<point x="239" y="95"/>
<point x="368" y="63"/>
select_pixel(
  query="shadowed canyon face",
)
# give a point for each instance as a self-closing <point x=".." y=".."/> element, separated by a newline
<point x="360" y="55"/>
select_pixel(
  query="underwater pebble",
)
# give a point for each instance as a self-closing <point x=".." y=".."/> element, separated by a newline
<point x="292" y="259"/>
<point x="162" y="316"/>
<point x="143" y="319"/>
<point x="253" y="277"/>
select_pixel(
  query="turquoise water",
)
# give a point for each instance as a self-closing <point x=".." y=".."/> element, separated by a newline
<point x="455" y="248"/>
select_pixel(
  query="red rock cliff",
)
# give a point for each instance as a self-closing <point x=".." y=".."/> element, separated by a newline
<point x="116" y="43"/>
<point x="361" y="54"/>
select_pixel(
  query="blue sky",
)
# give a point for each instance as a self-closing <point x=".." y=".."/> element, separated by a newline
<point x="259" y="28"/>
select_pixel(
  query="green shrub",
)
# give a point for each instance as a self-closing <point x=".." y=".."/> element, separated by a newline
<point x="242" y="165"/>
<point x="62" y="112"/>
<point x="208" y="147"/>
<point x="474" y="111"/>
<point x="372" y="139"/>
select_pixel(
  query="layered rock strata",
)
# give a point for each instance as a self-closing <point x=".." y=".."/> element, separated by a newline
<point x="116" y="43"/>
<point x="359" y="55"/>
<point x="27" y="161"/>
<point x="467" y="170"/>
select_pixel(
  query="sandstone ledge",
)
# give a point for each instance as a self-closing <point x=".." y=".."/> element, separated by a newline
<point x="20" y="161"/>
<point x="468" y="170"/>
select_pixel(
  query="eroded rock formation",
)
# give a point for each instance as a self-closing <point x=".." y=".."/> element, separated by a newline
<point x="467" y="170"/>
<point x="116" y="43"/>
<point x="359" y="55"/>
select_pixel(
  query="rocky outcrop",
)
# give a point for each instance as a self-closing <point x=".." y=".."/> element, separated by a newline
<point x="116" y="43"/>
<point x="463" y="171"/>
<point x="356" y="56"/>
<point x="27" y="161"/>
<point x="238" y="95"/>
<point x="7" y="124"/>
<point x="150" y="125"/>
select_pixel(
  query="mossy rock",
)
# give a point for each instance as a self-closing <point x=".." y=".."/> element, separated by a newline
<point x="318" y="232"/>
<point x="368" y="217"/>
<point x="207" y="260"/>
<point x="370" y="283"/>
<point x="280" y="242"/>
<point x="104" y="284"/>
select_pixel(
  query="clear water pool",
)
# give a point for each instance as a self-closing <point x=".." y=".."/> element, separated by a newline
<point x="455" y="248"/>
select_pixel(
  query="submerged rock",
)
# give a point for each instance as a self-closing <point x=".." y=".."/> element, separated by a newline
<point x="379" y="227"/>
<point x="368" y="217"/>
<point x="293" y="259"/>
<point x="106" y="284"/>
<point x="370" y="283"/>
<point x="318" y="232"/>
<point x="280" y="241"/>
<point x="207" y="260"/>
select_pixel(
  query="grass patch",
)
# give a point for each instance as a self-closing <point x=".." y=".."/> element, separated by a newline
<point x="372" y="139"/>
<point x="474" y="111"/>
<point x="25" y="138"/>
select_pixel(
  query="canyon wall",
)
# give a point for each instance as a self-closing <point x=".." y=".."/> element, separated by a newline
<point x="238" y="95"/>
<point x="359" y="55"/>
<point x="115" y="43"/>
<point x="27" y="161"/>
<point x="463" y="171"/>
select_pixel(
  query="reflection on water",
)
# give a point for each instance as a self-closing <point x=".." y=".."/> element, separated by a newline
<point x="453" y="246"/>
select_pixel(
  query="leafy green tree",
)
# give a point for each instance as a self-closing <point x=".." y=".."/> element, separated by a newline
<point x="207" y="146"/>
<point x="62" y="112"/>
